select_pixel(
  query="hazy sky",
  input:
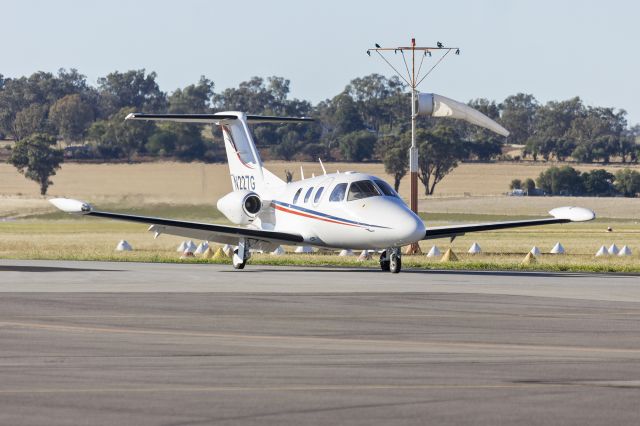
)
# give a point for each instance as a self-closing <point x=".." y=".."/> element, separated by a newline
<point x="552" y="49"/>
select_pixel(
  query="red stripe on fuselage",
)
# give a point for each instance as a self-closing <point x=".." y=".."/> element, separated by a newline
<point x="225" y="129"/>
<point x="286" y="210"/>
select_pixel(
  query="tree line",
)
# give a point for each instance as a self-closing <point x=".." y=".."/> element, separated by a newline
<point x="368" y="121"/>
<point x="568" y="181"/>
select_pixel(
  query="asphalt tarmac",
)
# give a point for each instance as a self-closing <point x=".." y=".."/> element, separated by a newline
<point x="89" y="343"/>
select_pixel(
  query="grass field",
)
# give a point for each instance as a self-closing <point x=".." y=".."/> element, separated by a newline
<point x="195" y="182"/>
<point x="475" y="188"/>
<point x="30" y="228"/>
<point x="95" y="239"/>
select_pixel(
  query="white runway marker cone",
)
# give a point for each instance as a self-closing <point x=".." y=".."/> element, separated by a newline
<point x="535" y="251"/>
<point x="123" y="245"/>
<point x="434" y="252"/>
<point x="190" y="246"/>
<point x="182" y="247"/>
<point x="613" y="250"/>
<point x="227" y="250"/>
<point x="279" y="251"/>
<point x="304" y="249"/>
<point x="624" y="251"/>
<point x="474" y="249"/>
<point x="365" y="255"/>
<point x="346" y="252"/>
<point x="202" y="247"/>
<point x="602" y="251"/>
<point x="557" y="249"/>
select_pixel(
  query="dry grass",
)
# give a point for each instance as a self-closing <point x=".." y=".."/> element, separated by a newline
<point x="628" y="208"/>
<point x="195" y="182"/>
<point x="88" y="238"/>
<point x="202" y="184"/>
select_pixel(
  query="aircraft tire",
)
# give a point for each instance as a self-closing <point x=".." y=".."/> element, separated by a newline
<point x="384" y="263"/>
<point x="239" y="265"/>
<point x="395" y="263"/>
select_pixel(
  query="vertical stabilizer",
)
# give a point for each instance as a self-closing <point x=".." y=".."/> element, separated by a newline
<point x="245" y="165"/>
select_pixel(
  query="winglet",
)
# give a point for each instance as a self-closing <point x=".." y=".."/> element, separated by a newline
<point x="574" y="214"/>
<point x="69" y="205"/>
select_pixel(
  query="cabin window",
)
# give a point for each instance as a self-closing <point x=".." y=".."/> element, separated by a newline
<point x="295" y="197"/>
<point x="362" y="189"/>
<point x="316" y="198"/>
<point x="386" y="188"/>
<point x="338" y="192"/>
<point x="308" y="194"/>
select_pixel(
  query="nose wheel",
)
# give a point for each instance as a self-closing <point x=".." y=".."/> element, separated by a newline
<point x="241" y="254"/>
<point x="238" y="262"/>
<point x="391" y="260"/>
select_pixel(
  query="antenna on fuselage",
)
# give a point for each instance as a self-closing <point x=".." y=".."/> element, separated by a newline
<point x="301" y="173"/>
<point x="322" y="165"/>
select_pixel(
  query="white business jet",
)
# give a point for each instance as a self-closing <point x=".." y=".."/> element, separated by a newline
<point x="339" y="211"/>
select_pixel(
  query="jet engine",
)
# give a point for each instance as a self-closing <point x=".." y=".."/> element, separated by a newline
<point x="240" y="207"/>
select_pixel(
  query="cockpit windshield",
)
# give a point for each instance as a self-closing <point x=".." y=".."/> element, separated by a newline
<point x="362" y="189"/>
<point x="386" y="188"/>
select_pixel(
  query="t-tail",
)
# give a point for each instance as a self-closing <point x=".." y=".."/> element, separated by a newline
<point x="245" y="166"/>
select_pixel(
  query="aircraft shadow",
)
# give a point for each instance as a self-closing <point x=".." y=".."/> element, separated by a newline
<point x="16" y="268"/>
<point x="342" y="270"/>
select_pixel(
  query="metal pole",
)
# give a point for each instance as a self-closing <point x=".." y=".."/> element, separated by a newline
<point x="413" y="152"/>
<point x="413" y="156"/>
<point x="413" y="81"/>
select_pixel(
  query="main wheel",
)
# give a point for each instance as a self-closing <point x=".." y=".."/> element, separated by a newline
<point x="384" y="262"/>
<point x="395" y="263"/>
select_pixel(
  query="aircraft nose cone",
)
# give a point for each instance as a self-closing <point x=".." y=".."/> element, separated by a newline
<point x="397" y="225"/>
<point x="411" y="228"/>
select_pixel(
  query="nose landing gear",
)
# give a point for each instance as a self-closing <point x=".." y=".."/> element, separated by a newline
<point x="241" y="254"/>
<point x="391" y="260"/>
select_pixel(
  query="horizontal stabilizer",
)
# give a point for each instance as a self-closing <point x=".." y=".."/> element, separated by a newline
<point x="214" y="118"/>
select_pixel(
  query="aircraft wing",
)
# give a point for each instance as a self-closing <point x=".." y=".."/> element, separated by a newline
<point x="560" y="215"/>
<point x="196" y="230"/>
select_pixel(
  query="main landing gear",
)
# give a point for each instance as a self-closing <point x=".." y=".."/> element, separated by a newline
<point x="391" y="260"/>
